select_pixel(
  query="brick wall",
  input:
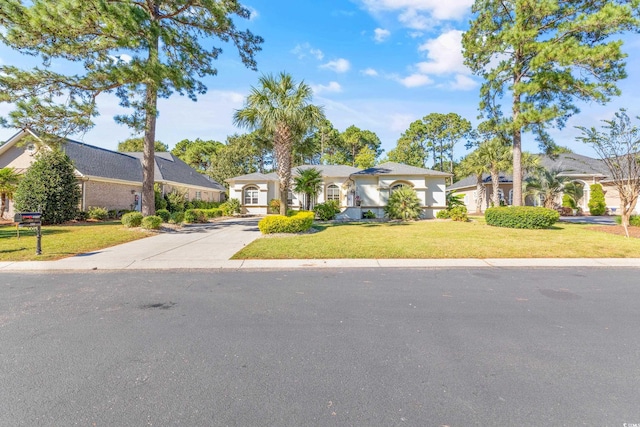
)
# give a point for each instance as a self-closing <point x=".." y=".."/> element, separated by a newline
<point x="109" y="195"/>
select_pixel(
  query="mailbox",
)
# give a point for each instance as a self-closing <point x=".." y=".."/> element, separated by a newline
<point x="28" y="219"/>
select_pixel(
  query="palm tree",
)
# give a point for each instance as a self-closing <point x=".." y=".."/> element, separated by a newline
<point x="547" y="183"/>
<point x="473" y="164"/>
<point x="284" y="111"/>
<point x="575" y="190"/>
<point x="308" y="182"/>
<point x="497" y="157"/>
<point x="8" y="185"/>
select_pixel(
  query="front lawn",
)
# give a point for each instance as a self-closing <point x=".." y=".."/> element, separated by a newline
<point x="60" y="241"/>
<point x="442" y="239"/>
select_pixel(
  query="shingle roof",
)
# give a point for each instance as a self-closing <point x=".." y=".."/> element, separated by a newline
<point x="392" y="168"/>
<point x="569" y="164"/>
<point x="328" y="170"/>
<point x="96" y="161"/>
<point x="173" y="169"/>
<point x="256" y="176"/>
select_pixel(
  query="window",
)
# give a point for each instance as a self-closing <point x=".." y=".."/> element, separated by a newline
<point x="501" y="194"/>
<point x="290" y="198"/>
<point x="198" y="195"/>
<point x="333" y="193"/>
<point x="510" y="197"/>
<point x="251" y="195"/>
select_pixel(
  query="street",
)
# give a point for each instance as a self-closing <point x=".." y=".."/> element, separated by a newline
<point x="361" y="347"/>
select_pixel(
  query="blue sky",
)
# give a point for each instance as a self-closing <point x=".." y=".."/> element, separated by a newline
<point x="375" y="64"/>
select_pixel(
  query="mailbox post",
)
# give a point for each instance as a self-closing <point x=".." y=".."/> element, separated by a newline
<point x="33" y="220"/>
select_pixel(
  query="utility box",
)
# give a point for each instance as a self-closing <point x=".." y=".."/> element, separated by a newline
<point x="28" y="219"/>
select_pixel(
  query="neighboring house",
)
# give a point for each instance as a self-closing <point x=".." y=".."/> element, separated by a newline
<point x="110" y="179"/>
<point x="578" y="168"/>
<point x="355" y="190"/>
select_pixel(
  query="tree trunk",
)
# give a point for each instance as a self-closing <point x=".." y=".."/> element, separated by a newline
<point x="495" y="182"/>
<point x="517" y="150"/>
<point x="2" y="205"/>
<point x="148" y="157"/>
<point x="479" y="194"/>
<point x="283" y="143"/>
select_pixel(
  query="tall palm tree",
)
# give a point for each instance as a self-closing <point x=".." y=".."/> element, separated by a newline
<point x="497" y="157"/>
<point x="308" y="182"/>
<point x="8" y="185"/>
<point x="284" y="111"/>
<point x="547" y="183"/>
<point x="473" y="164"/>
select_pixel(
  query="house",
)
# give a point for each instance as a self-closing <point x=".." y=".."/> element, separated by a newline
<point x="578" y="168"/>
<point x="355" y="190"/>
<point x="111" y="179"/>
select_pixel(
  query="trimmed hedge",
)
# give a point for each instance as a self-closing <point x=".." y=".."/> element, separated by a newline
<point x="164" y="214"/>
<point x="132" y="219"/>
<point x="151" y="222"/>
<point x="194" y="216"/>
<point x="302" y="221"/>
<point x="521" y="217"/>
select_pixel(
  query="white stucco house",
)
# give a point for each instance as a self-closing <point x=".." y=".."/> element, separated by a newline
<point x="356" y="190"/>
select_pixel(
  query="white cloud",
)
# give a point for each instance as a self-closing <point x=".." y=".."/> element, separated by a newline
<point x="401" y="122"/>
<point x="415" y="80"/>
<point x="369" y="72"/>
<point x="305" y="49"/>
<point x="340" y="65"/>
<point x="121" y="58"/>
<point x="410" y="18"/>
<point x="333" y="87"/>
<point x="415" y="13"/>
<point x="444" y="54"/>
<point x="463" y="82"/>
<point x="381" y="35"/>
<point x="254" y="13"/>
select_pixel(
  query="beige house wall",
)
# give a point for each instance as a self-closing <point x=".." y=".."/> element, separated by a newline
<point x="109" y="195"/>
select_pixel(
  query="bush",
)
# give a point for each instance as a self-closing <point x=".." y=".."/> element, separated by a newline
<point x="521" y="217"/>
<point x="194" y="216"/>
<point x="443" y="214"/>
<point x="151" y="222"/>
<point x="274" y="206"/>
<point x="160" y="201"/>
<point x="230" y="207"/>
<point x="403" y="204"/>
<point x="327" y="211"/>
<point x="213" y="213"/>
<point x="81" y="216"/>
<point x="634" y="220"/>
<point x="597" y="204"/>
<point x="164" y="214"/>
<point x="112" y="214"/>
<point x="49" y="186"/>
<point x="176" y="218"/>
<point x="459" y="213"/>
<point x="97" y="213"/>
<point x="368" y="215"/>
<point x="302" y="221"/>
<point x="132" y="219"/>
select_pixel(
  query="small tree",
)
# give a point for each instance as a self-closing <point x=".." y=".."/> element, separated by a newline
<point x="403" y="204"/>
<point x="619" y="148"/>
<point x="597" y="205"/>
<point x="308" y="182"/>
<point x="8" y="184"/>
<point x="547" y="183"/>
<point x="49" y="186"/>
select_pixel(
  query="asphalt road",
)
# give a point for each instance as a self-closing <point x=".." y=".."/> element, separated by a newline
<point x="380" y="347"/>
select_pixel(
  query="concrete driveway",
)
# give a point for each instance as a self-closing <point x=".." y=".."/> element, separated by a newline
<point x="600" y="220"/>
<point x="194" y="246"/>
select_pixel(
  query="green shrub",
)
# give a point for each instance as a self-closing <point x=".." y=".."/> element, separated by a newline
<point x="152" y="222"/>
<point x="403" y="204"/>
<point x="81" y="216"/>
<point x="597" y="205"/>
<point x="521" y="217"/>
<point x="230" y="207"/>
<point x="327" y="211"/>
<point x="159" y="200"/>
<point x="213" y="213"/>
<point x="192" y="216"/>
<point x="368" y="215"/>
<point x="132" y="219"/>
<point x="164" y="214"/>
<point x="459" y="213"/>
<point x="97" y="213"/>
<point x="302" y="221"/>
<point x="634" y="220"/>
<point x="443" y="214"/>
<point x="112" y="214"/>
<point x="274" y="206"/>
<point x="176" y="218"/>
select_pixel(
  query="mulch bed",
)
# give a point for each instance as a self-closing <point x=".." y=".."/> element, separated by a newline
<point x="617" y="229"/>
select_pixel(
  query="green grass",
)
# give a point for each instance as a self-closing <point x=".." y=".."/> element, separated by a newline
<point x="442" y="239"/>
<point x="60" y="241"/>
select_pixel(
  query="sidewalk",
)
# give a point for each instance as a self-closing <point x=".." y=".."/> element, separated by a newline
<point x="210" y="246"/>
